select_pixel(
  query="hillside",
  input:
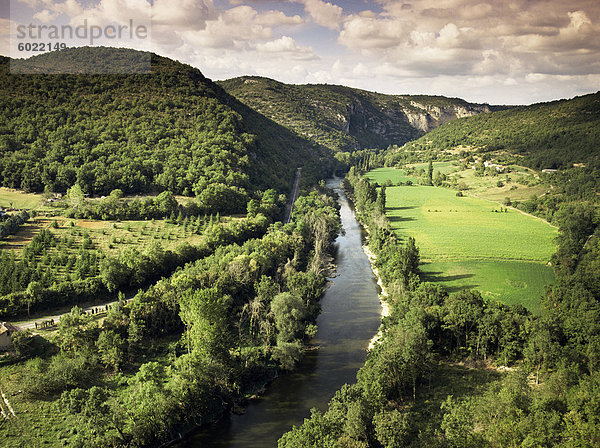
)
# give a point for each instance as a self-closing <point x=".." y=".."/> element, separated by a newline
<point x="173" y="129"/>
<point x="345" y="119"/>
<point x="547" y="135"/>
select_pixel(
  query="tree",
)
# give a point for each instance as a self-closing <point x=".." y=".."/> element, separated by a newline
<point x="287" y="353"/>
<point x="392" y="428"/>
<point x="76" y="198"/>
<point x="34" y="291"/>
<point x="98" y="413"/>
<point x="111" y="349"/>
<point x="114" y="274"/>
<point x="458" y="424"/>
<point x="463" y="311"/>
<point x="289" y="312"/>
<point x="77" y="330"/>
<point x="23" y="342"/>
<point x="430" y="173"/>
<point x="380" y="204"/>
<point x="208" y="326"/>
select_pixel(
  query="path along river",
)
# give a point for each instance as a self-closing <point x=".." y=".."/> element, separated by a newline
<point x="349" y="318"/>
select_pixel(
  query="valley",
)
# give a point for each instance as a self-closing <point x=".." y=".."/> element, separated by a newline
<point x="165" y="194"/>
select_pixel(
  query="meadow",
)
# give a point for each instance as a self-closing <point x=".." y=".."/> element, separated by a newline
<point x="10" y="198"/>
<point x="469" y="242"/>
<point x="519" y="184"/>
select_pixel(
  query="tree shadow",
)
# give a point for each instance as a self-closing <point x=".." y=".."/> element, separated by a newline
<point x="410" y="207"/>
<point x="452" y="289"/>
<point x="401" y="218"/>
<point x="440" y="277"/>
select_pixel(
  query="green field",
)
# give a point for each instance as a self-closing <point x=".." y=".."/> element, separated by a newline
<point x="380" y="175"/>
<point x="10" y="198"/>
<point x="467" y="242"/>
<point x="510" y="282"/>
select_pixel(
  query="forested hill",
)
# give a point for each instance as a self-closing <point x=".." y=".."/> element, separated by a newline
<point x="547" y="135"/>
<point x="172" y="130"/>
<point x="343" y="118"/>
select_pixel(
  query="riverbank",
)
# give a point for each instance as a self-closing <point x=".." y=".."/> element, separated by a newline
<point x="383" y="295"/>
<point x="349" y="317"/>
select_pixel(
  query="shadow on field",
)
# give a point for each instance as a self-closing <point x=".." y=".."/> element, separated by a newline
<point x="410" y="207"/>
<point x="452" y="289"/>
<point x="438" y="277"/>
<point x="400" y="218"/>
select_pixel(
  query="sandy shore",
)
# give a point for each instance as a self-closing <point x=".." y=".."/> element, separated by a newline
<point x="385" y="307"/>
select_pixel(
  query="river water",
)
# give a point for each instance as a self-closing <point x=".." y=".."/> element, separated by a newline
<point x="350" y="317"/>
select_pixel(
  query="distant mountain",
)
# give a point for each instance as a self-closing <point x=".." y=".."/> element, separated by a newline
<point x="173" y="129"/>
<point x="550" y="135"/>
<point x="343" y="118"/>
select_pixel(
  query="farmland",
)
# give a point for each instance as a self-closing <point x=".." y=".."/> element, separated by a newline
<point x="468" y="242"/>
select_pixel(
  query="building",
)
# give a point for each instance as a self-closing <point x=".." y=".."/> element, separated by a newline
<point x="6" y="332"/>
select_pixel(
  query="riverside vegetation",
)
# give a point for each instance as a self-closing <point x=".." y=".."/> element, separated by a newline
<point x="180" y="352"/>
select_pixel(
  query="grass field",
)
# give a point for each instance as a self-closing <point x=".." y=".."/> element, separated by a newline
<point x="451" y="227"/>
<point x="17" y="199"/>
<point x="380" y="175"/>
<point x="510" y="282"/>
<point x="467" y="242"/>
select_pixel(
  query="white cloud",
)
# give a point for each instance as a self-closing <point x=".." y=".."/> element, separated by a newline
<point x="286" y="46"/>
<point x="183" y="14"/>
<point x="474" y="37"/>
<point x="324" y="13"/>
<point x="45" y="16"/>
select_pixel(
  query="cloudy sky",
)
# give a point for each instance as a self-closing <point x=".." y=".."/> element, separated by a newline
<point x="495" y="51"/>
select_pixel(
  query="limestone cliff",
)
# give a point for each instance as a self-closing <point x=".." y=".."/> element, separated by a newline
<point x="343" y="118"/>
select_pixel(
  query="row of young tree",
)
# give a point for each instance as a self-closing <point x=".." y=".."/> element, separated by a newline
<point x="237" y="317"/>
<point x="31" y="283"/>
<point x="548" y="399"/>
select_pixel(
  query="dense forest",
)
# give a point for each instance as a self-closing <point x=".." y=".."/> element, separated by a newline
<point x="171" y="129"/>
<point x="546" y="135"/>
<point x="434" y="379"/>
<point x="346" y="119"/>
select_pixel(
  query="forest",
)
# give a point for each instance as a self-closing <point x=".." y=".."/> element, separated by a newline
<point x="542" y="136"/>
<point x="170" y="130"/>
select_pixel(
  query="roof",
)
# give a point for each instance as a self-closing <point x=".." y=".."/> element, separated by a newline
<point x="6" y="327"/>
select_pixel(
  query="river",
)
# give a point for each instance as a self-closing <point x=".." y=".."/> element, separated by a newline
<point x="350" y="317"/>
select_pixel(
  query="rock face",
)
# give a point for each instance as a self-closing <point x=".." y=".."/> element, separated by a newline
<point x="346" y="119"/>
<point x="430" y="117"/>
<point x="390" y="123"/>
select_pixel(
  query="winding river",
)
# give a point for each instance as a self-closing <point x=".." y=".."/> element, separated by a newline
<point x="349" y="318"/>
